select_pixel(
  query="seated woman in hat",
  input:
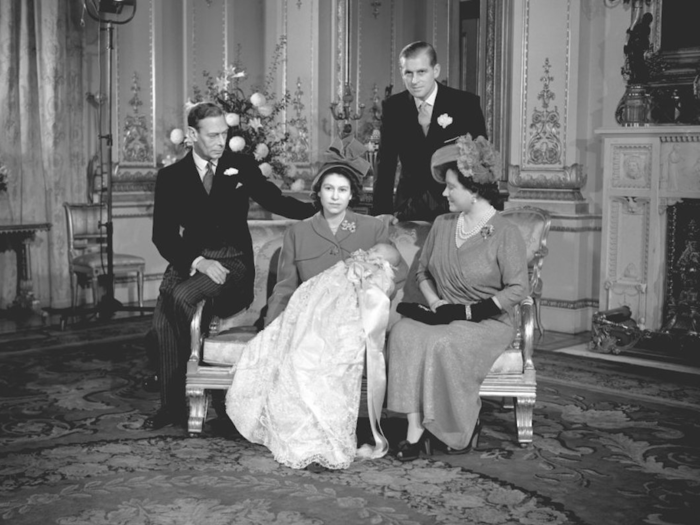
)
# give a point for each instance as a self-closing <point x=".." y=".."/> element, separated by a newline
<point x="472" y="272"/>
<point x="297" y="387"/>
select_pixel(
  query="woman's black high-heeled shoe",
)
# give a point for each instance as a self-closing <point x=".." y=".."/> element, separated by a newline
<point x="411" y="451"/>
<point x="473" y="442"/>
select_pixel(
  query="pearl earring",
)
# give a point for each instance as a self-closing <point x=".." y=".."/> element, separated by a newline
<point x="473" y="200"/>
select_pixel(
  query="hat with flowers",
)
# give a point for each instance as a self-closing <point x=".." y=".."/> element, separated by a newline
<point x="476" y="159"/>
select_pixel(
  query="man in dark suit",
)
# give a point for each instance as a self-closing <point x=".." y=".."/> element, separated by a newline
<point x="200" y="227"/>
<point x="415" y="123"/>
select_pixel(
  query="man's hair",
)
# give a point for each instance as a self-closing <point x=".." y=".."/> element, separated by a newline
<point x="201" y="111"/>
<point x="414" y="48"/>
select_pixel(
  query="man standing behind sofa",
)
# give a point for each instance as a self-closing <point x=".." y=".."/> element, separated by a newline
<point x="200" y="227"/>
<point x="415" y="123"/>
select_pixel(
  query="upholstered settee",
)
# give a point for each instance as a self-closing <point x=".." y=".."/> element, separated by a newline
<point x="216" y="344"/>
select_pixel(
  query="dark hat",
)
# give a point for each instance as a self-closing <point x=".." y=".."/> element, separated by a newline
<point x="345" y="153"/>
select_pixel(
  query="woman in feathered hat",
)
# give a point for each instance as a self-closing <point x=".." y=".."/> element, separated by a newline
<point x="472" y="271"/>
<point x="297" y="387"/>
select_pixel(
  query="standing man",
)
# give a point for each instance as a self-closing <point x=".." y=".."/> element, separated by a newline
<point x="415" y="123"/>
<point x="200" y="227"/>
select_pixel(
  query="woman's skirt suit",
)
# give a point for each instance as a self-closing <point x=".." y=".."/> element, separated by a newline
<point x="310" y="247"/>
<point x="437" y="370"/>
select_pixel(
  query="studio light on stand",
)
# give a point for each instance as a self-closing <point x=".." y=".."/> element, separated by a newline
<point x="109" y="13"/>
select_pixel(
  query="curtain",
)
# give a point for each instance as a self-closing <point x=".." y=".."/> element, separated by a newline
<point x="42" y="125"/>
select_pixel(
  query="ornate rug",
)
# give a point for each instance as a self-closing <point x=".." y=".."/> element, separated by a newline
<point x="611" y="445"/>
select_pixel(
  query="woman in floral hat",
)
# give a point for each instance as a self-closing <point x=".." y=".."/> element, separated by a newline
<point x="472" y="272"/>
<point x="297" y="387"/>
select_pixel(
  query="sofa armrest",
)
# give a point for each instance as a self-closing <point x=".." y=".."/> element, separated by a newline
<point x="526" y="311"/>
<point x="196" y="335"/>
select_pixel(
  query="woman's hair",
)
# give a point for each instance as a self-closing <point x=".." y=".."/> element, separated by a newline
<point x="349" y="174"/>
<point x="488" y="191"/>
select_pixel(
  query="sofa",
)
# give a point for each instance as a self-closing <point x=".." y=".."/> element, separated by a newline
<point x="216" y="344"/>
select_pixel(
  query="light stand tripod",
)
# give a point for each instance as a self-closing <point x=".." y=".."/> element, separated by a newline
<point x="107" y="13"/>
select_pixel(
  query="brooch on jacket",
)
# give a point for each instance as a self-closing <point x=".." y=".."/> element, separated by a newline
<point x="348" y="226"/>
<point x="487" y="231"/>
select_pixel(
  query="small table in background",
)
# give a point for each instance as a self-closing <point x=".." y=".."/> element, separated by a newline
<point x="17" y="236"/>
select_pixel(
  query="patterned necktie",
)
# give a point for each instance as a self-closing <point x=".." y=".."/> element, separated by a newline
<point x="209" y="176"/>
<point x="424" y="116"/>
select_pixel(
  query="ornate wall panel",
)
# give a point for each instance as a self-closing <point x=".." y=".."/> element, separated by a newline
<point x="134" y="126"/>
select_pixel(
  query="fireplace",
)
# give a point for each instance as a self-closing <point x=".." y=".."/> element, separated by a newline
<point x="682" y="301"/>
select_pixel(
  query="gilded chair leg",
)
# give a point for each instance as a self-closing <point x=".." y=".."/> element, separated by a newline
<point x="199" y="405"/>
<point x="524" y="406"/>
<point x="139" y="288"/>
<point x="73" y="290"/>
<point x="538" y="316"/>
<point x="95" y="290"/>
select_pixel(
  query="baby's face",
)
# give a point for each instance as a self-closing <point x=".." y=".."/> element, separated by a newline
<point x="386" y="252"/>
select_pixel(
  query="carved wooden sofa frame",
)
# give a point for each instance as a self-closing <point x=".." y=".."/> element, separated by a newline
<point x="216" y="343"/>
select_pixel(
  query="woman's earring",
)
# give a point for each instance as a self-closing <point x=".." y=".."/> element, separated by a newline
<point x="473" y="200"/>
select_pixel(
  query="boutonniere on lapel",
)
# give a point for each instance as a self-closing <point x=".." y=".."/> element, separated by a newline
<point x="348" y="226"/>
<point x="444" y="120"/>
<point x="487" y="231"/>
<point x="230" y="171"/>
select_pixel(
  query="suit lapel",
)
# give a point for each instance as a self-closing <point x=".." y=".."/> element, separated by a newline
<point x="320" y="226"/>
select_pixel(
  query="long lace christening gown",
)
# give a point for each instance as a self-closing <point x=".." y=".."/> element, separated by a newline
<point x="297" y="386"/>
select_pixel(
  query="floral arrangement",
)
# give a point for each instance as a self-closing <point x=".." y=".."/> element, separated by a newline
<point x="253" y="119"/>
<point x="478" y="159"/>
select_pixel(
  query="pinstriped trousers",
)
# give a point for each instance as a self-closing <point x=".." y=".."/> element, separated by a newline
<point x="179" y="295"/>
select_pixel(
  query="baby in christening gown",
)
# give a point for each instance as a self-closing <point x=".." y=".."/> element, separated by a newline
<point x="297" y="386"/>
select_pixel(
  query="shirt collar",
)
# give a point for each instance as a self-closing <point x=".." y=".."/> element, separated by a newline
<point x="431" y="98"/>
<point x="202" y="164"/>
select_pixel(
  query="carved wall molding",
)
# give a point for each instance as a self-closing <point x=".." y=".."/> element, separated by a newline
<point x="569" y="305"/>
<point x="631" y="166"/>
<point x="565" y="178"/>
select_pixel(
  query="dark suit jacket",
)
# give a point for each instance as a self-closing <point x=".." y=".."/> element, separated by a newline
<point x="402" y="139"/>
<point x="187" y="220"/>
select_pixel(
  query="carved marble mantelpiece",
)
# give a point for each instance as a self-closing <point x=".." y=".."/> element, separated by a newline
<point x="645" y="170"/>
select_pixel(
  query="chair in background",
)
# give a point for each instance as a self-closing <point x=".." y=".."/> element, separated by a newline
<point x="534" y="224"/>
<point x="87" y="251"/>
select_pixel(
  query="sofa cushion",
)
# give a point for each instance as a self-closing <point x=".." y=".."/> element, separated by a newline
<point x="226" y="348"/>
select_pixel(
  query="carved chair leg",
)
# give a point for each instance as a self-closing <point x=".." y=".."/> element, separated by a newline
<point x="523" y="418"/>
<point x="199" y="405"/>
<point x="538" y="316"/>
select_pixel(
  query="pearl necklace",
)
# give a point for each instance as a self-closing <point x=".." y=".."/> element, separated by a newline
<point x="462" y="234"/>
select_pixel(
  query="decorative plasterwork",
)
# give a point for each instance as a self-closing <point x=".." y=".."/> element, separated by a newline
<point x="376" y="4"/>
<point x="544" y="146"/>
<point x="567" y="178"/>
<point x="299" y="144"/>
<point x="136" y="144"/>
<point x="631" y="166"/>
<point x="628" y="240"/>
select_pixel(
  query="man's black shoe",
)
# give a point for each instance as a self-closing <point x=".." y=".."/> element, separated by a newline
<point x="163" y="418"/>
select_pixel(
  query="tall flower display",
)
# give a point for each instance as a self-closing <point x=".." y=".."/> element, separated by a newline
<point x="254" y="117"/>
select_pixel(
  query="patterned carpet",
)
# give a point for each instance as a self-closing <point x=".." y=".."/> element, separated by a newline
<point x="613" y="444"/>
